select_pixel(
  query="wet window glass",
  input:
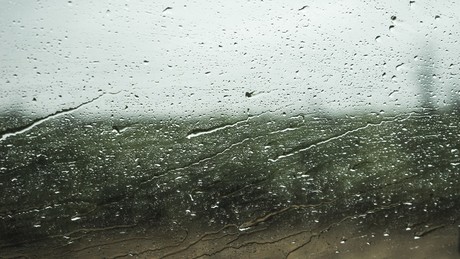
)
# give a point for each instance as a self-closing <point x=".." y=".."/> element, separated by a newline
<point x="229" y="129"/>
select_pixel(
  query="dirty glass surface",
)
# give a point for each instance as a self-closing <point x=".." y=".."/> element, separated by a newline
<point x="229" y="129"/>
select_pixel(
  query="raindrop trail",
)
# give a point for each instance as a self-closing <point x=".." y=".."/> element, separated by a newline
<point x="335" y="138"/>
<point x="25" y="128"/>
<point x="199" y="132"/>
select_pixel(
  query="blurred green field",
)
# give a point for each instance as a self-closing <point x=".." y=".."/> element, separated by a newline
<point x="74" y="173"/>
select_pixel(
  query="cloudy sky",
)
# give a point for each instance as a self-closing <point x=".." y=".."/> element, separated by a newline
<point x="190" y="58"/>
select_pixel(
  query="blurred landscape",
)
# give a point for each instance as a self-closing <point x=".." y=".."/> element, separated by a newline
<point x="70" y="181"/>
<point x="251" y="129"/>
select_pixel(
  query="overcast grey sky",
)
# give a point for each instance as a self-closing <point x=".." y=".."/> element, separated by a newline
<point x="201" y="57"/>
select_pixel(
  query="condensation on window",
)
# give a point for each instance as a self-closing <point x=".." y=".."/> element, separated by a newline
<point x="229" y="129"/>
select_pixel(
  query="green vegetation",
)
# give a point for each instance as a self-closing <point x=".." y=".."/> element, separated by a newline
<point x="74" y="173"/>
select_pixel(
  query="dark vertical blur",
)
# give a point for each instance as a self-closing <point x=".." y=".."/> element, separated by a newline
<point x="426" y="81"/>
